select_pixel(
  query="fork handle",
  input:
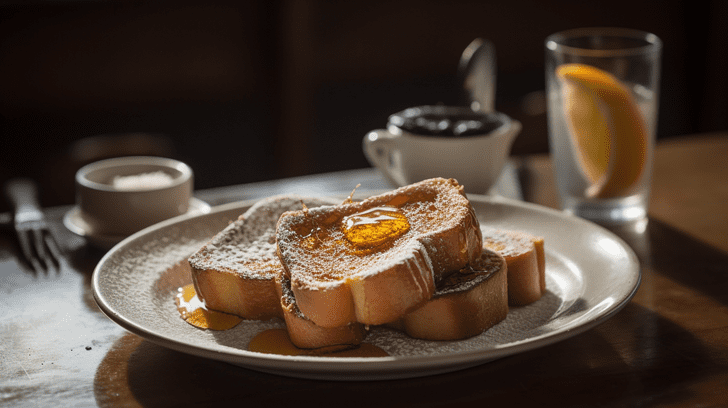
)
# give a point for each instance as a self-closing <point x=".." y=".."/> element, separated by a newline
<point x="23" y="196"/>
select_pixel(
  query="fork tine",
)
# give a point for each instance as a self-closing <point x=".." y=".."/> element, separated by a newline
<point x="40" y="249"/>
<point x="53" y="249"/>
<point x="26" y="249"/>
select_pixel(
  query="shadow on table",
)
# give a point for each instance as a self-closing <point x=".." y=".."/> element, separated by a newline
<point x="671" y="253"/>
<point x="83" y="260"/>
<point x="623" y="356"/>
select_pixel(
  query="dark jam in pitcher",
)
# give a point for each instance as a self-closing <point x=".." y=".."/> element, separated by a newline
<point x="445" y="121"/>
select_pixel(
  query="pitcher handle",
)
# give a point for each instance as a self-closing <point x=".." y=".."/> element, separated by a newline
<point x="380" y="150"/>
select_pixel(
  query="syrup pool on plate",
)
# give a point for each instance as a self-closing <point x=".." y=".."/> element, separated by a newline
<point x="273" y="341"/>
<point x="193" y="311"/>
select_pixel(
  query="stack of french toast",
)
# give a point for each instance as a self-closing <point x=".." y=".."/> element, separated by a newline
<point x="413" y="259"/>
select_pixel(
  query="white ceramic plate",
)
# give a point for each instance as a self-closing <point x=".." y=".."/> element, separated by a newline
<point x="74" y="221"/>
<point x="591" y="274"/>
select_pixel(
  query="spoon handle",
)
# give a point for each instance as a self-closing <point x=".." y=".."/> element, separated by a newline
<point x="477" y="73"/>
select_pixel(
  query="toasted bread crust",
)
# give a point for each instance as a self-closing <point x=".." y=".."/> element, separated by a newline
<point x="306" y="334"/>
<point x="235" y="271"/>
<point x="336" y="284"/>
<point x="524" y="254"/>
<point x="233" y="292"/>
<point x="538" y="243"/>
<point x="466" y="303"/>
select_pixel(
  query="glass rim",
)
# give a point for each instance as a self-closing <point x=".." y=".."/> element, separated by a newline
<point x="555" y="42"/>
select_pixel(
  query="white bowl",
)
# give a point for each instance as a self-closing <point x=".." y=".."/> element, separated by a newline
<point x="110" y="209"/>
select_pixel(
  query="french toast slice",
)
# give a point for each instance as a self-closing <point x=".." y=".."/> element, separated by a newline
<point x="305" y="334"/>
<point x="524" y="254"/>
<point x="465" y="304"/>
<point x="235" y="271"/>
<point x="375" y="260"/>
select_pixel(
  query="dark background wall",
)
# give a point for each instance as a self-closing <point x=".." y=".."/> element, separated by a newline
<point x="250" y="91"/>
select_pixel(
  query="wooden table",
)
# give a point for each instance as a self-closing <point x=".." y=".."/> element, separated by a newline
<point x="667" y="347"/>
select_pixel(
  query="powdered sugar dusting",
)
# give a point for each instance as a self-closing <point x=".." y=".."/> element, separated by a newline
<point x="506" y="242"/>
<point x="248" y="244"/>
<point x="472" y="275"/>
<point x="143" y="181"/>
<point x="521" y="323"/>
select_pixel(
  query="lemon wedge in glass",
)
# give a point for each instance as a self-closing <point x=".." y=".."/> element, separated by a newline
<point x="608" y="130"/>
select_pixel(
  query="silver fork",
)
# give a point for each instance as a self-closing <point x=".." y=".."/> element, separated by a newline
<point x="37" y="244"/>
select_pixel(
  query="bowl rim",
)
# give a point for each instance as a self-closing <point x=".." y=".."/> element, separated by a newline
<point x="185" y="172"/>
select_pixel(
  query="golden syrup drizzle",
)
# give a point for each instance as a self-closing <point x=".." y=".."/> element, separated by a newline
<point x="375" y="226"/>
<point x="193" y="311"/>
<point x="350" y="199"/>
<point x="276" y="341"/>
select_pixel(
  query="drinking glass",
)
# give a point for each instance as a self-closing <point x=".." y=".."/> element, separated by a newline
<point x="602" y="88"/>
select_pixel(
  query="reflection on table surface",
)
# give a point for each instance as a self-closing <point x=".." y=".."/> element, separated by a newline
<point x="667" y="347"/>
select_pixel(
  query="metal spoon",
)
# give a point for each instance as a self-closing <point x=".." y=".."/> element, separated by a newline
<point x="477" y="70"/>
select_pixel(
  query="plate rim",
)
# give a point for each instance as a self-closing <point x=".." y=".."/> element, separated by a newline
<point x="368" y="368"/>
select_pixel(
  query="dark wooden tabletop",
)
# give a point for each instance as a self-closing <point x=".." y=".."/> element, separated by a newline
<point x="667" y="347"/>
